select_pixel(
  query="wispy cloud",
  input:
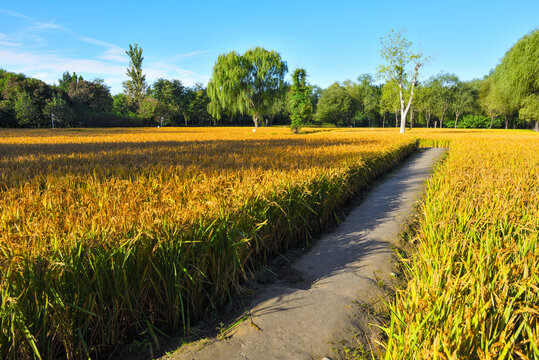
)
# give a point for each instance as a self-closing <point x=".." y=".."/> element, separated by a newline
<point x="14" y="14"/>
<point x="115" y="54"/>
<point x="4" y="37"/>
<point x="28" y="52"/>
<point x="188" y="55"/>
<point x="32" y="62"/>
<point x="90" y="40"/>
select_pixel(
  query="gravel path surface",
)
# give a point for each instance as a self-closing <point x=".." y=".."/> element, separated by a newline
<point x="302" y="319"/>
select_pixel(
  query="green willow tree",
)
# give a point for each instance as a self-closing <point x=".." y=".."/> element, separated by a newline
<point x="299" y="102"/>
<point x="397" y="53"/>
<point x="487" y="98"/>
<point x="135" y="88"/>
<point x="246" y="84"/>
<point x="517" y="77"/>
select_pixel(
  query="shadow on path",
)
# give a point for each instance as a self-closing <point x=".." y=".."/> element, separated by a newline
<point x="299" y="319"/>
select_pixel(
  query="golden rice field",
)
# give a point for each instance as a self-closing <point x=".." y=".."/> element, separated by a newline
<point x="107" y="236"/>
<point x="473" y="277"/>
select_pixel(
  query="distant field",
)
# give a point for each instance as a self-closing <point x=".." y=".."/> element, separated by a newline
<point x="112" y="235"/>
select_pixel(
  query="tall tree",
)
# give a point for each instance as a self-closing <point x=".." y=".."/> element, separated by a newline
<point x="463" y="100"/>
<point x="197" y="105"/>
<point x="443" y="89"/>
<point x="487" y="98"/>
<point x="169" y="92"/>
<point x="397" y="53"/>
<point x="135" y="88"/>
<point x="173" y="95"/>
<point x="316" y="94"/>
<point x="335" y="106"/>
<point x="517" y="76"/>
<point x="27" y="111"/>
<point x="67" y="78"/>
<point x="153" y="110"/>
<point x="389" y="100"/>
<point x="246" y="84"/>
<point x="62" y="113"/>
<point x="280" y="106"/>
<point x="370" y="96"/>
<point x="425" y="101"/>
<point x="93" y="96"/>
<point x="299" y="100"/>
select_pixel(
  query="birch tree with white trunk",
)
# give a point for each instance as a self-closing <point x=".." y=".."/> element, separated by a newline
<point x="402" y="66"/>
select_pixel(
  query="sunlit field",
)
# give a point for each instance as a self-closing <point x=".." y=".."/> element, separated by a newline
<point x="107" y="236"/>
<point x="473" y="277"/>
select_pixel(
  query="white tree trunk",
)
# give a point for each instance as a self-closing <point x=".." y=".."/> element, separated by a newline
<point x="404" y="111"/>
<point x="255" y="119"/>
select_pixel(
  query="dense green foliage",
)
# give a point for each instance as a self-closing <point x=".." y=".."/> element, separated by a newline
<point x="479" y="122"/>
<point x="246" y="84"/>
<point x="336" y="105"/>
<point x="515" y="81"/>
<point x="299" y="100"/>
<point x="135" y="87"/>
<point x="27" y="102"/>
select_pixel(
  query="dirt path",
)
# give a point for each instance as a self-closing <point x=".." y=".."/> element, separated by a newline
<point x="301" y="319"/>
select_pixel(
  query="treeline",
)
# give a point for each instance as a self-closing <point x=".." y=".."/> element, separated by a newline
<point x="442" y="100"/>
<point x="75" y="102"/>
<point x="506" y="98"/>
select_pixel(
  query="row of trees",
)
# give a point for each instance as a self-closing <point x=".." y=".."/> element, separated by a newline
<point x="28" y="102"/>
<point x="76" y="102"/>
<point x="442" y="100"/>
<point x="250" y="88"/>
<point x="508" y="96"/>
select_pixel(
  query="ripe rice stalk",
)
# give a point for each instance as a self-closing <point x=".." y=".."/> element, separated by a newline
<point x="116" y="235"/>
<point x="472" y="289"/>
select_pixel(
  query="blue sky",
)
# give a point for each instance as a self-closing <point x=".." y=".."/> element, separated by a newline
<point x="333" y="40"/>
